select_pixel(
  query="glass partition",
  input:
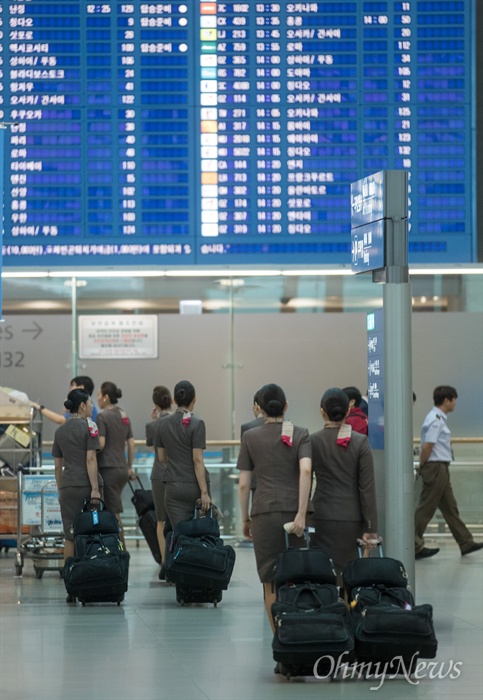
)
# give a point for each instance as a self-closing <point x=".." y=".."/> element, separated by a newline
<point x="302" y="329"/>
<point x="325" y="292"/>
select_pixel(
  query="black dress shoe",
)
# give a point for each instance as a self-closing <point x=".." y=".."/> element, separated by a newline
<point x="162" y="573"/>
<point x="474" y="548"/>
<point x="426" y="552"/>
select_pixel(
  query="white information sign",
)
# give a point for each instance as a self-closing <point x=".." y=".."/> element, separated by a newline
<point x="118" y="337"/>
<point x="40" y="503"/>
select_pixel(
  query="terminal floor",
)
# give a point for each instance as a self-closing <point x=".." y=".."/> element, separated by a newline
<point x="149" y="648"/>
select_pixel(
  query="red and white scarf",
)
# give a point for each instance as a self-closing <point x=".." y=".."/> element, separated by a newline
<point x="186" y="415"/>
<point x="287" y="433"/>
<point x="345" y="432"/>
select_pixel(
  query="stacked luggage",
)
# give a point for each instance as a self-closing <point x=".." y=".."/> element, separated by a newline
<point x="98" y="571"/>
<point x="388" y="625"/>
<point x="198" y="561"/>
<point x="142" y="500"/>
<point x="313" y="628"/>
<point x="315" y="632"/>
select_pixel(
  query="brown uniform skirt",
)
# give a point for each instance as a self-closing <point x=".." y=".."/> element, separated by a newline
<point x="71" y="500"/>
<point x="269" y="540"/>
<point x="159" y="493"/>
<point x="115" y="479"/>
<point x="339" y="538"/>
<point x="180" y="499"/>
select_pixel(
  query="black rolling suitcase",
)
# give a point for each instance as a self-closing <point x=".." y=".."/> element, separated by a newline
<point x="192" y="527"/>
<point x="313" y="629"/>
<point x="98" y="571"/>
<point x="389" y="627"/>
<point x="381" y="570"/>
<point x="142" y="500"/>
<point x="198" y="562"/>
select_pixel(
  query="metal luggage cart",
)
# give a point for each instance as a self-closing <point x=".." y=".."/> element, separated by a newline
<point x="20" y="452"/>
<point x="20" y="437"/>
<point x="39" y="510"/>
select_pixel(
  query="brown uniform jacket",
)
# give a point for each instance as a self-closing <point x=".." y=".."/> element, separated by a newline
<point x="275" y="466"/>
<point x="115" y="426"/>
<point x="72" y="441"/>
<point x="345" y="488"/>
<point x="179" y="441"/>
<point x="159" y="470"/>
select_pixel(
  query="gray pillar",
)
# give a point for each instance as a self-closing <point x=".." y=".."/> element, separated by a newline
<point x="398" y="402"/>
<point x="74" y="327"/>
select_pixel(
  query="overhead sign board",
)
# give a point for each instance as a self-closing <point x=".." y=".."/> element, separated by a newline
<point x="376" y="201"/>
<point x="367" y="200"/>
<point x="367" y="243"/>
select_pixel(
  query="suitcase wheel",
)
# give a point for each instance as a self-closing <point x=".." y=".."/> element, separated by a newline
<point x="282" y="670"/>
<point x="285" y="672"/>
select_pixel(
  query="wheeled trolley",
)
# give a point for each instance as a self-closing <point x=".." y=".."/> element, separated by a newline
<point x="39" y="514"/>
<point x="29" y="510"/>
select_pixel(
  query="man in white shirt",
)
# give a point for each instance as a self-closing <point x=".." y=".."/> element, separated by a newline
<point x="434" y="460"/>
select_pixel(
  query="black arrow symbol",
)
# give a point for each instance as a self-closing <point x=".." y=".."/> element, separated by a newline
<point x="37" y="330"/>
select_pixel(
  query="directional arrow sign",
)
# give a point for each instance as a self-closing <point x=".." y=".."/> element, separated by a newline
<point x="37" y="330"/>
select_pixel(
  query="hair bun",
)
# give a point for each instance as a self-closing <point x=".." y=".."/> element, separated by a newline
<point x="69" y="404"/>
<point x="118" y="393"/>
<point x="271" y="399"/>
<point x="335" y="403"/>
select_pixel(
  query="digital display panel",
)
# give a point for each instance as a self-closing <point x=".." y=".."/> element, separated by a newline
<point x="367" y="200"/>
<point x="2" y="147"/>
<point x="375" y="378"/>
<point x="228" y="133"/>
<point x="368" y="247"/>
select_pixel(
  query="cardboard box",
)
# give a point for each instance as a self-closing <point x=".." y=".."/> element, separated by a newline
<point x="8" y="513"/>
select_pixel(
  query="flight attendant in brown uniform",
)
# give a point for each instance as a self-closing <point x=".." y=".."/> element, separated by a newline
<point x="76" y="443"/>
<point x="162" y="401"/>
<point x="114" y="433"/>
<point x="278" y="453"/>
<point x="345" y="492"/>
<point x="179" y="442"/>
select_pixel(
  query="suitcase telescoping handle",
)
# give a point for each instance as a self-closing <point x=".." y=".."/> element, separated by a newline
<point x="306" y="535"/>
<point x="141" y="487"/>
<point x="198" y="509"/>
<point x="86" y="509"/>
<point x="365" y="552"/>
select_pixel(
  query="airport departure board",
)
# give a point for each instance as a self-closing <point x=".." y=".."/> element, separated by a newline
<point x="181" y="133"/>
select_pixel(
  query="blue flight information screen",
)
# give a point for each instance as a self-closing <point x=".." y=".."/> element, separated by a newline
<point x="375" y="378"/>
<point x="181" y="133"/>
